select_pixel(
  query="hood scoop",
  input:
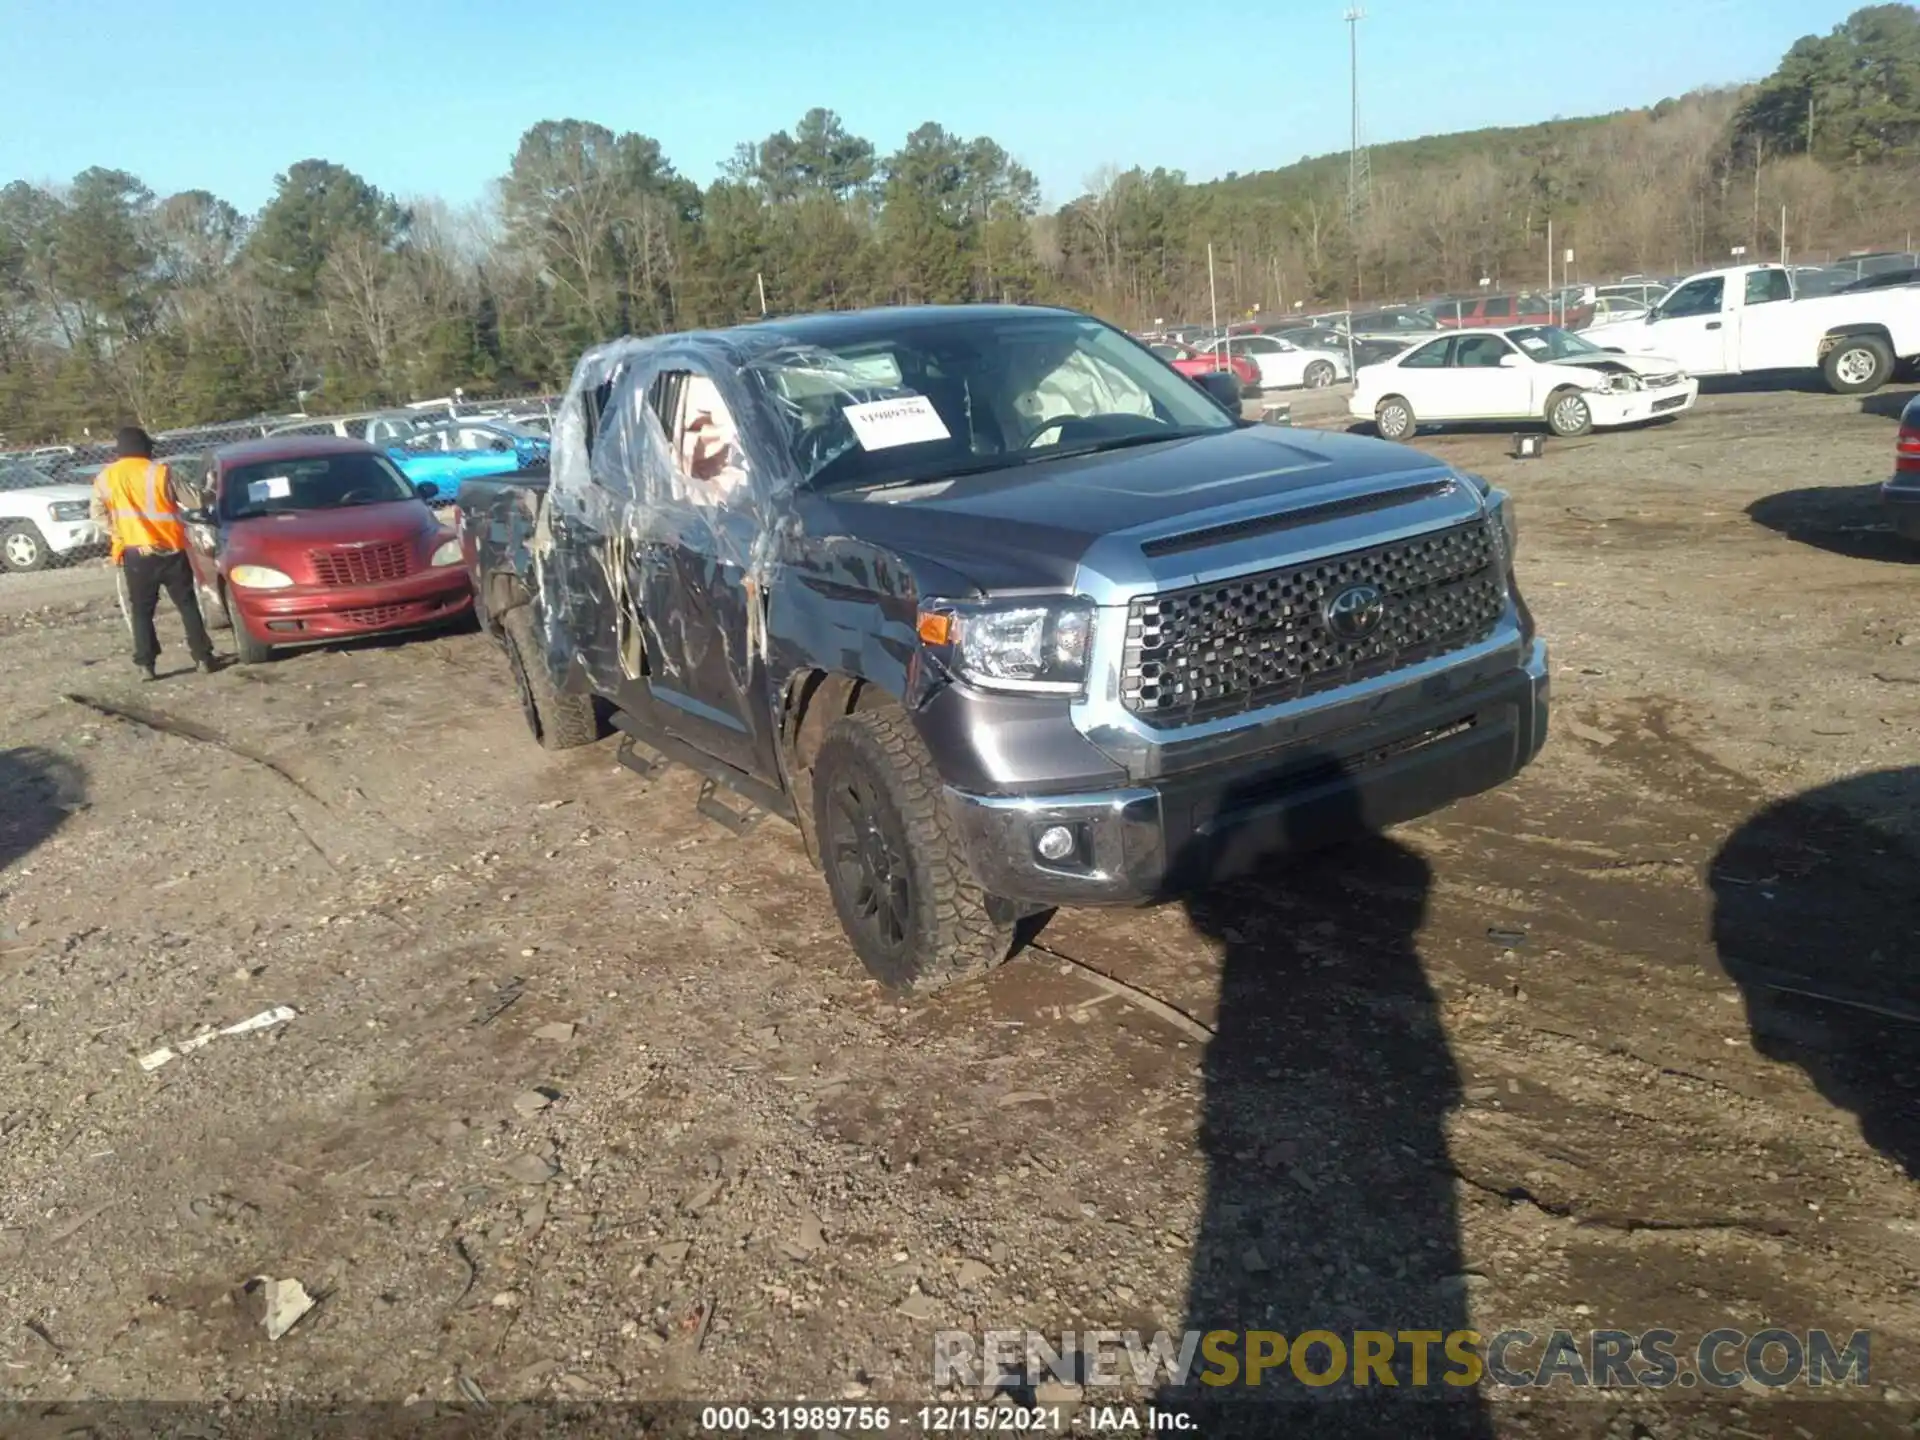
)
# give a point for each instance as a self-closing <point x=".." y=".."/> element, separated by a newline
<point x="1293" y="519"/>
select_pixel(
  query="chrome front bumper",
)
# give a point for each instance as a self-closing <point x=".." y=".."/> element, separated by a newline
<point x="1144" y="842"/>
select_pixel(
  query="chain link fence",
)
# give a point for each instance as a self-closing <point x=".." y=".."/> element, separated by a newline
<point x="45" y="490"/>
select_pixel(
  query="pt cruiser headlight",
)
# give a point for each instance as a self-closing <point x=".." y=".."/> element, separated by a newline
<point x="1034" y="648"/>
<point x="447" y="554"/>
<point x="259" y="577"/>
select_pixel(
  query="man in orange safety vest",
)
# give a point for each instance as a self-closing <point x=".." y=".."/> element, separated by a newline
<point x="133" y="497"/>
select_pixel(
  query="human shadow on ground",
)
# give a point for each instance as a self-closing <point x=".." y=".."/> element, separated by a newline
<point x="1816" y="917"/>
<point x="38" y="790"/>
<point x="1330" y="1202"/>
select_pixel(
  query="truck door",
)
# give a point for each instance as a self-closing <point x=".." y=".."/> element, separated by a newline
<point x="1693" y="326"/>
<point x="700" y="609"/>
<point x="1757" y="342"/>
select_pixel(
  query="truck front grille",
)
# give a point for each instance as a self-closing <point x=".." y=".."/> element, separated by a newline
<point x="1219" y="649"/>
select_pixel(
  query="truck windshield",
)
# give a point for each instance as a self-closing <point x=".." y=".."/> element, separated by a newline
<point x="1547" y="343"/>
<point x="313" y="482"/>
<point x="949" y="397"/>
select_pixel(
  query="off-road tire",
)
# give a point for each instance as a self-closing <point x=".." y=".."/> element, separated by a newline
<point x="246" y="649"/>
<point x="953" y="929"/>
<point x="559" y="721"/>
<point x="23" y="547"/>
<point x="1568" y="415"/>
<point x="1393" y="418"/>
<point x="1320" y="374"/>
<point x="1851" y="355"/>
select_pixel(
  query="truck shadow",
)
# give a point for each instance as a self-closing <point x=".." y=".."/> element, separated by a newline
<point x="1764" y="382"/>
<point x="1844" y="519"/>
<point x="37" y="791"/>
<point x="1887" y="404"/>
<point x="1329" y="1202"/>
<point x="1815" y="911"/>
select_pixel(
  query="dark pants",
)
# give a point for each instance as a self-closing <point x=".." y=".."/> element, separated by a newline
<point x="147" y="575"/>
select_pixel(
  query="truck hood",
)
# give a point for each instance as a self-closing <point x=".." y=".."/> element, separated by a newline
<point x="1029" y="527"/>
<point x="1639" y="364"/>
<point x="15" y="502"/>
<point x="1635" y="337"/>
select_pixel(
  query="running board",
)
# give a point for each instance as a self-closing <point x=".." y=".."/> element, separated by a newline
<point x="715" y="774"/>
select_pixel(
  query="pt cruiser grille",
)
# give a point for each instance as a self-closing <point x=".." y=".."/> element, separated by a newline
<point x="361" y="564"/>
<point x="1219" y="649"/>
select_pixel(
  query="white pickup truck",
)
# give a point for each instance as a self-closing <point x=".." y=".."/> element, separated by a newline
<point x="1747" y="317"/>
<point x="42" y="523"/>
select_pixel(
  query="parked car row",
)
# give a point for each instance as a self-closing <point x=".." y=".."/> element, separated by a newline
<point x="1721" y="322"/>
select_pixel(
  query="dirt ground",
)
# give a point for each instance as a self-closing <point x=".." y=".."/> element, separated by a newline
<point x="585" y="1098"/>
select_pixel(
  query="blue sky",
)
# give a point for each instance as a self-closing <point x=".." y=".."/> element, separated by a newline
<point x="430" y="96"/>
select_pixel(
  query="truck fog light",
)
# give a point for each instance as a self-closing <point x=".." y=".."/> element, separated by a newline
<point x="1055" y="843"/>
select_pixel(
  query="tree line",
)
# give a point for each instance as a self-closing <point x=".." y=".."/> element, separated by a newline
<point x="180" y="309"/>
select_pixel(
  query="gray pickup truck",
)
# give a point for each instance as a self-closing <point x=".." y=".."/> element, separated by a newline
<point x="1002" y="613"/>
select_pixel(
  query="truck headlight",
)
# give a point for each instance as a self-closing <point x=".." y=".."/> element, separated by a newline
<point x="259" y="577"/>
<point x="1500" y="506"/>
<point x="1033" y="648"/>
<point x="1625" y="382"/>
<point x="447" y="554"/>
<point x="68" y="512"/>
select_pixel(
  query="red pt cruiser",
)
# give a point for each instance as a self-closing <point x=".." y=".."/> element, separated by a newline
<point x="302" y="538"/>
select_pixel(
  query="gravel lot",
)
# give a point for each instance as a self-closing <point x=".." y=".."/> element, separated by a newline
<point x="586" y="1098"/>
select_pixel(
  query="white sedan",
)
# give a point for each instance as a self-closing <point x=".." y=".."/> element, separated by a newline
<point x="1526" y="372"/>
<point x="1283" y="366"/>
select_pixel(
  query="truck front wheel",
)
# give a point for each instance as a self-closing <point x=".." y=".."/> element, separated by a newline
<point x="559" y="721"/>
<point x="1567" y="414"/>
<point x="1857" y="364"/>
<point x="893" y="859"/>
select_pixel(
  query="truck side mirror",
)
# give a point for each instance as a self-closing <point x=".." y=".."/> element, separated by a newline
<point x="1223" y="386"/>
<point x="426" y="489"/>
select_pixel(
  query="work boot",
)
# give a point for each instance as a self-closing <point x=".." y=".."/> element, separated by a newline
<point x="146" y="673"/>
<point x="207" y="666"/>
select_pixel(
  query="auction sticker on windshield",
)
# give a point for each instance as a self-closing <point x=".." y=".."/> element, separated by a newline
<point x="884" y="424"/>
<point x="274" y="487"/>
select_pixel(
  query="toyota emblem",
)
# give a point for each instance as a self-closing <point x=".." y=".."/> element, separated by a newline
<point x="1356" y="612"/>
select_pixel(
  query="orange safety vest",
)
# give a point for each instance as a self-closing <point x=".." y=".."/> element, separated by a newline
<point x="140" y="513"/>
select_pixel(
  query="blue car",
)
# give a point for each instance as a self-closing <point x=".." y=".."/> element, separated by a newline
<point x="444" y="455"/>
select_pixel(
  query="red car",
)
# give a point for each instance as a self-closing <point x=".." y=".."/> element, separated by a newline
<point x="1504" y="310"/>
<point x="1191" y="362"/>
<point x="300" y="538"/>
